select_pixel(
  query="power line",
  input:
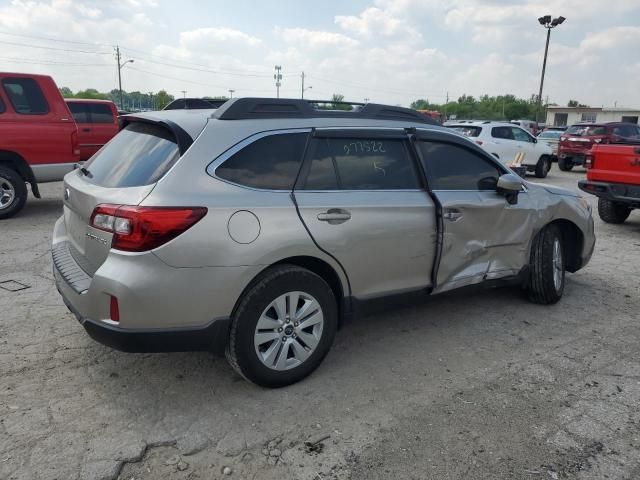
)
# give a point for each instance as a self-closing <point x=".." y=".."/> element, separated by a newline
<point x="51" y="62"/>
<point x="54" y="48"/>
<point x="205" y="70"/>
<point x="55" y="39"/>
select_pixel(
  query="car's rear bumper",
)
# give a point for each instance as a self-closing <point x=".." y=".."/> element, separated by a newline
<point x="617" y="192"/>
<point x="577" y="158"/>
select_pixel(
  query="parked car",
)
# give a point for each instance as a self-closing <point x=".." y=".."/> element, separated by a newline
<point x="261" y="228"/>
<point x="528" y="125"/>
<point x="97" y="122"/>
<point x="551" y="138"/>
<point x="194" y="104"/>
<point x="511" y="144"/>
<point x="577" y="141"/>
<point x="613" y="175"/>
<point x="38" y="138"/>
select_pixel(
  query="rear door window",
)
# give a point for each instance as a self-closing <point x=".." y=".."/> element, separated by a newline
<point x="502" y="132"/>
<point x="270" y="163"/>
<point x="100" y="113"/>
<point x="79" y="111"/>
<point x="26" y="96"/>
<point x="139" y="155"/>
<point x="360" y="164"/>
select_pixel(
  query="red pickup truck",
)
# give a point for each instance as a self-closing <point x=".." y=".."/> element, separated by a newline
<point x="613" y="174"/>
<point x="97" y="122"/>
<point x="38" y="138"/>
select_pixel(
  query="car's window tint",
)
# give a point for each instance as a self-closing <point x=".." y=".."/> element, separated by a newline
<point x="270" y="162"/>
<point x="452" y="167"/>
<point x="25" y="96"/>
<point x="520" y="135"/>
<point x="79" y="111"/>
<point x="502" y="132"/>
<point x="139" y="155"/>
<point x="362" y="164"/>
<point x="100" y="113"/>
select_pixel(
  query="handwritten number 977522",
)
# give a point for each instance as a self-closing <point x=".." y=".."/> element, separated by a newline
<point x="354" y="148"/>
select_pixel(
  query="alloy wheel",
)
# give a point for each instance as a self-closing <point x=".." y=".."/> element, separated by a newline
<point x="7" y="193"/>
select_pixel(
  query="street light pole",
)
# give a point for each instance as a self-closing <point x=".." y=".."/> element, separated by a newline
<point x="120" y="65"/>
<point x="231" y="93"/>
<point x="547" y="23"/>
<point x="277" y="77"/>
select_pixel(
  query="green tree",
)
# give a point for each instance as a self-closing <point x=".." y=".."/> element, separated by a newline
<point x="336" y="98"/>
<point x="92" y="93"/>
<point x="66" y="92"/>
<point x="162" y="99"/>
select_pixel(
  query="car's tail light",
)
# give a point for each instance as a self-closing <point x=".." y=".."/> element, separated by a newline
<point x="479" y="142"/>
<point x="563" y="139"/>
<point x="114" y="309"/>
<point x="588" y="160"/>
<point x="138" y="229"/>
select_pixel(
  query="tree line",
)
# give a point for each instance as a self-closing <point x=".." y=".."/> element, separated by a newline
<point x="131" y="101"/>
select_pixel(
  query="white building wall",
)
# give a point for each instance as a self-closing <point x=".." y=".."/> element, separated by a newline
<point x="575" y="115"/>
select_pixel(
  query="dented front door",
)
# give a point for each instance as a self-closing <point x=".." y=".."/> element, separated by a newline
<point x="483" y="238"/>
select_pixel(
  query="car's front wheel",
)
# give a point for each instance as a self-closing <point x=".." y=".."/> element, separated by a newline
<point x="547" y="267"/>
<point x="612" y="212"/>
<point x="543" y="166"/>
<point x="565" y="164"/>
<point x="283" y="327"/>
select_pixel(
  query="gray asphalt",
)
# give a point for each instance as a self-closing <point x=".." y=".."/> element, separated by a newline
<point x="469" y="385"/>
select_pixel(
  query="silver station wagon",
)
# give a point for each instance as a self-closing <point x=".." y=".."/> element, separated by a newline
<point x="258" y="227"/>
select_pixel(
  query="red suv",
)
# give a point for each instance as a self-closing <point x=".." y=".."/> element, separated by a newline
<point x="38" y="137"/>
<point x="578" y="139"/>
<point x="97" y="122"/>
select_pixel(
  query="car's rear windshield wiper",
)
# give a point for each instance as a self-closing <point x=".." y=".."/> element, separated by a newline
<point x="84" y="171"/>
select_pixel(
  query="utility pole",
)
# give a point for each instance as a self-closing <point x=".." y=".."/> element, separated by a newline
<point x="445" y="106"/>
<point x="277" y="77"/>
<point x="366" y="100"/>
<point x="151" y="101"/>
<point x="547" y="23"/>
<point x="120" y="65"/>
<point x="231" y="93"/>
<point x="302" y="89"/>
<point x="184" y="93"/>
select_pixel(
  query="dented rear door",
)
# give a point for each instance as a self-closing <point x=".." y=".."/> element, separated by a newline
<point x="483" y="237"/>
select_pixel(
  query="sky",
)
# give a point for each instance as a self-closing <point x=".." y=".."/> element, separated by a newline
<point x="386" y="51"/>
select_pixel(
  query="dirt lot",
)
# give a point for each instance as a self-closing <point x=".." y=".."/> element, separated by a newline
<point x="472" y="386"/>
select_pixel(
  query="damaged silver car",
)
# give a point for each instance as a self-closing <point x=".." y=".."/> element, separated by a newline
<point x="258" y="227"/>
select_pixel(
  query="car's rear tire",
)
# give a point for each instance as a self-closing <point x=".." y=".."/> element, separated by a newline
<point x="543" y="166"/>
<point x="565" y="164"/>
<point x="274" y="343"/>
<point x="13" y="192"/>
<point x="612" y="212"/>
<point x="547" y="267"/>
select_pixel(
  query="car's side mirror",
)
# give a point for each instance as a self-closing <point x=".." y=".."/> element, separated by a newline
<point x="509" y="185"/>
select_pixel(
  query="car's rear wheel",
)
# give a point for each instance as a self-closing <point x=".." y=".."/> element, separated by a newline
<point x="283" y="327"/>
<point x="565" y="164"/>
<point x="547" y="274"/>
<point x="543" y="166"/>
<point x="612" y="212"/>
<point x="13" y="192"/>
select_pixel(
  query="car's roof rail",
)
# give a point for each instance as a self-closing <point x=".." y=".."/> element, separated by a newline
<point x="259" y="108"/>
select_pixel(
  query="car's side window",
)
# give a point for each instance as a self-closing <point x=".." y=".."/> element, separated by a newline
<point x="100" y="113"/>
<point x="453" y="167"/>
<point x="25" y="96"/>
<point x="361" y="164"/>
<point x="520" y="135"/>
<point x="79" y="112"/>
<point x="2" y="109"/>
<point x="502" y="132"/>
<point x="270" y="163"/>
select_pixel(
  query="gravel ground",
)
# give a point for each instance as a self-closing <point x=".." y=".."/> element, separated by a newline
<point x="466" y="385"/>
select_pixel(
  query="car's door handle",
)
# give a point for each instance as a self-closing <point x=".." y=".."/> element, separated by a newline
<point x="334" y="216"/>
<point x="452" y="215"/>
<point x="86" y="129"/>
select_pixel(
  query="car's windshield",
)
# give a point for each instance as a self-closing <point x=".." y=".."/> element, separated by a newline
<point x="551" y="134"/>
<point x="587" y="130"/>
<point x="466" y="130"/>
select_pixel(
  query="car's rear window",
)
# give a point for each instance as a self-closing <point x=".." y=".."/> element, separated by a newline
<point x="139" y="155"/>
<point x="550" y="134"/>
<point x="467" y="130"/>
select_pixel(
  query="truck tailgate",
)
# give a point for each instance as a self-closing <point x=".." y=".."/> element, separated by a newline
<point x="615" y="163"/>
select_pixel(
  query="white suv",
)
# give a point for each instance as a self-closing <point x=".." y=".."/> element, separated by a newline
<point x="513" y="145"/>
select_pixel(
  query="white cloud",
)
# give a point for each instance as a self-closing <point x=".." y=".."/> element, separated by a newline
<point x="375" y="21"/>
<point x="203" y="38"/>
<point x="315" y="38"/>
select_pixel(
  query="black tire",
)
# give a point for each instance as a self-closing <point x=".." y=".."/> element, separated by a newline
<point x="277" y="281"/>
<point x="543" y="166"/>
<point x="565" y="164"/>
<point x="541" y="287"/>
<point x="10" y="178"/>
<point x="612" y="212"/>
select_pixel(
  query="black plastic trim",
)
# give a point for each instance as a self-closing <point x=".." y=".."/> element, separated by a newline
<point x="628" y="194"/>
<point x="183" y="139"/>
<point x="260" y="108"/>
